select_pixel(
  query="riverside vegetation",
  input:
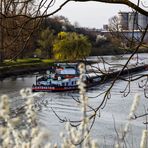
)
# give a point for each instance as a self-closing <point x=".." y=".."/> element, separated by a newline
<point x="23" y="66"/>
<point x="24" y="131"/>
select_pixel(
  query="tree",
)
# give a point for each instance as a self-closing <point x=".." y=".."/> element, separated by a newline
<point x="45" y="42"/>
<point x="71" y="46"/>
<point x="129" y="79"/>
<point x="129" y="3"/>
<point x="31" y="11"/>
<point x="15" y="28"/>
<point x="128" y="30"/>
<point x="37" y="14"/>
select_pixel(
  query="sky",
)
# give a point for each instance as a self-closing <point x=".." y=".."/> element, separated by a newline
<point x="89" y="14"/>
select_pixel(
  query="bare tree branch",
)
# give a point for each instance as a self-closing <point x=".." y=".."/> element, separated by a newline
<point x="124" y="2"/>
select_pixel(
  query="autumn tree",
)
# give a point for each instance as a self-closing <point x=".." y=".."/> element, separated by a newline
<point x="71" y="46"/>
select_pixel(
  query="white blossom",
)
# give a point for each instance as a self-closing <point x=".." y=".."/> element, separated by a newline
<point x="134" y="105"/>
<point x="144" y="139"/>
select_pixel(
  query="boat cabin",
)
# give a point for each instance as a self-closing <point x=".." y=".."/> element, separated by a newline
<point x="67" y="69"/>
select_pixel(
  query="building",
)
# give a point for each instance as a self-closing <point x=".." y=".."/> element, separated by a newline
<point x="142" y="21"/>
<point x="129" y="25"/>
<point x="105" y="27"/>
<point x="123" y="20"/>
<point x="132" y="21"/>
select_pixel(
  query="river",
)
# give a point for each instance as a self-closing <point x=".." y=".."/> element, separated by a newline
<point x="113" y="116"/>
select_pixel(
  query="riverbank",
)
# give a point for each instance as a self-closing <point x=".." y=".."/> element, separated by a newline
<point x="15" y="70"/>
<point x="25" y="67"/>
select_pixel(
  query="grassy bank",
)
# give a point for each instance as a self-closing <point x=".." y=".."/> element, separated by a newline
<point x="23" y="66"/>
<point x="25" y="61"/>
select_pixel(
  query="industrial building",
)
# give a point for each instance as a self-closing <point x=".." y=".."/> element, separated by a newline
<point x="132" y="21"/>
<point x="127" y="21"/>
<point x="129" y="24"/>
<point x="123" y="20"/>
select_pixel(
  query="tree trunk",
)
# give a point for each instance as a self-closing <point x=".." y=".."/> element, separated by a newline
<point x="1" y="37"/>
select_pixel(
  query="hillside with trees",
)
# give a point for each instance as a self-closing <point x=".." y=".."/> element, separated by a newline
<point x="40" y="42"/>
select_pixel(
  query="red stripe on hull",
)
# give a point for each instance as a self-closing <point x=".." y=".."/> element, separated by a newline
<point x="53" y="89"/>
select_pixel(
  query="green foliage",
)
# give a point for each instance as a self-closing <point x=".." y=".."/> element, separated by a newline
<point x="38" y="52"/>
<point x="20" y="62"/>
<point x="45" y="42"/>
<point x="29" y="60"/>
<point x="48" y="61"/>
<point x="71" y="46"/>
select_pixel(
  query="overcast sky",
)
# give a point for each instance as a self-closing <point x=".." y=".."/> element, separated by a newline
<point x="90" y="14"/>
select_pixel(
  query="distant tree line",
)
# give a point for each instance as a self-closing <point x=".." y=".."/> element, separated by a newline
<point x="23" y="38"/>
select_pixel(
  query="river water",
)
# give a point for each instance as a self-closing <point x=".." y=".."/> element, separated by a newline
<point x="113" y="116"/>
